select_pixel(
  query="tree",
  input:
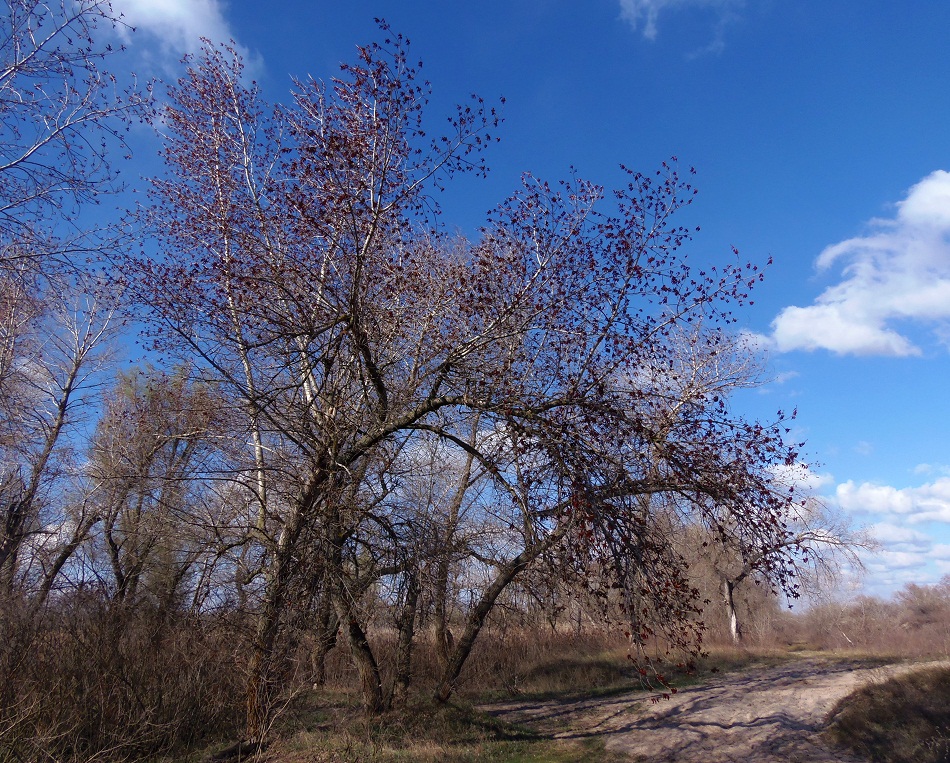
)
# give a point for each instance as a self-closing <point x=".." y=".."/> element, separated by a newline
<point x="55" y="344"/>
<point x="706" y="367"/>
<point x="303" y="270"/>
<point x="61" y="117"/>
<point x="61" y="114"/>
<point x="820" y="544"/>
<point x="152" y="448"/>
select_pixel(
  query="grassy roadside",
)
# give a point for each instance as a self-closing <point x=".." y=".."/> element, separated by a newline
<point x="328" y="727"/>
<point x="905" y="719"/>
<point x="426" y="733"/>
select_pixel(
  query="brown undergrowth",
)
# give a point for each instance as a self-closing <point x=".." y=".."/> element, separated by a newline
<point x="905" y="719"/>
<point x="89" y="681"/>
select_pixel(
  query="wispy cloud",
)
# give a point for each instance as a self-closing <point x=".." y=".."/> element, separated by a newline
<point x="897" y="538"/>
<point x="179" y="25"/>
<point x="900" y="271"/>
<point x="932" y="469"/>
<point x="644" y="15"/>
<point x="801" y="476"/>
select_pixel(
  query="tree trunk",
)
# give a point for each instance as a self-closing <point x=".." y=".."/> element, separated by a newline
<point x="444" y="640"/>
<point x="328" y="626"/>
<point x="407" y="622"/>
<point x="260" y="672"/>
<point x="370" y="682"/>
<point x="13" y="535"/>
<point x="260" y="688"/>
<point x="728" y="598"/>
<point x="476" y="618"/>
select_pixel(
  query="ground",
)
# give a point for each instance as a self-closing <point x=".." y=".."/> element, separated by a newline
<point x="766" y="714"/>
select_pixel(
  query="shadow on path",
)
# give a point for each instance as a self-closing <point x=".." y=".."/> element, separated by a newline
<point x="764" y="715"/>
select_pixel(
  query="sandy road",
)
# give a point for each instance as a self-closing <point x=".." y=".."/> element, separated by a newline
<point x="760" y="715"/>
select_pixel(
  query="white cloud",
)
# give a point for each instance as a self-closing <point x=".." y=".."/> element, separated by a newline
<point x="645" y="14"/>
<point x="800" y="476"/>
<point x="901" y="560"/>
<point x="179" y="25"/>
<point x="898" y="272"/>
<point x="929" y="502"/>
<point x="896" y="538"/>
<point x="932" y="469"/>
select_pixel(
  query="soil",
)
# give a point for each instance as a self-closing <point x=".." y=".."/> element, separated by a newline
<point x="759" y="715"/>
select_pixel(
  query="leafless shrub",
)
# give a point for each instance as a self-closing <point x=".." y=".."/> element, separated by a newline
<point x="915" y="622"/>
<point x="87" y="681"/>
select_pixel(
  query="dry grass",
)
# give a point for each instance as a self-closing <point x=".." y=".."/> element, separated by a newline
<point x="422" y="733"/>
<point x="86" y="682"/>
<point x="905" y="719"/>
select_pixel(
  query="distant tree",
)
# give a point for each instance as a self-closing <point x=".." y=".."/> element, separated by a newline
<point x="154" y="444"/>
<point x="924" y="605"/>
<point x="303" y="270"/>
<point x="62" y="115"/>
<point x="820" y="544"/>
<point x="707" y="367"/>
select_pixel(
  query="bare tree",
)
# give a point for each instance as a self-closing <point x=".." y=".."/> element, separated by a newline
<point x="61" y="117"/>
<point x="154" y="444"/>
<point x="61" y="113"/>
<point x="302" y="269"/>
<point x="61" y="343"/>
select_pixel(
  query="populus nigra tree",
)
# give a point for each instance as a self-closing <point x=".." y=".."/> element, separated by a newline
<point x="301" y="271"/>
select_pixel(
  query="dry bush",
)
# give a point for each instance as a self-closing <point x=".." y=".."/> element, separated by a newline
<point x="505" y="661"/>
<point x="905" y="719"/>
<point x="541" y="661"/>
<point x="914" y="623"/>
<point x="87" y="681"/>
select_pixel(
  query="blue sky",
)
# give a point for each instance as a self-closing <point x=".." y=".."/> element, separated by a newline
<point x="820" y="130"/>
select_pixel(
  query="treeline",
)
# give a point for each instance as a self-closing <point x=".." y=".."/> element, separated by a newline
<point x="914" y="622"/>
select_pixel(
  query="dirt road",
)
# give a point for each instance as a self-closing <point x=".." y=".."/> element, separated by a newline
<point x="761" y="715"/>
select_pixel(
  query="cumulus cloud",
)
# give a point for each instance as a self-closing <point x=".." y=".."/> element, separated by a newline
<point x="644" y="14"/>
<point x="900" y="271"/>
<point x="910" y="523"/>
<point x="929" y="502"/>
<point x="178" y="25"/>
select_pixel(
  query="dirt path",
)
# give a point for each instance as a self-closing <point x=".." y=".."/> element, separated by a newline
<point x="761" y="715"/>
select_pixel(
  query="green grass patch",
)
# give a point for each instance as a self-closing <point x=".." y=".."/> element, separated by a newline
<point x="905" y="719"/>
